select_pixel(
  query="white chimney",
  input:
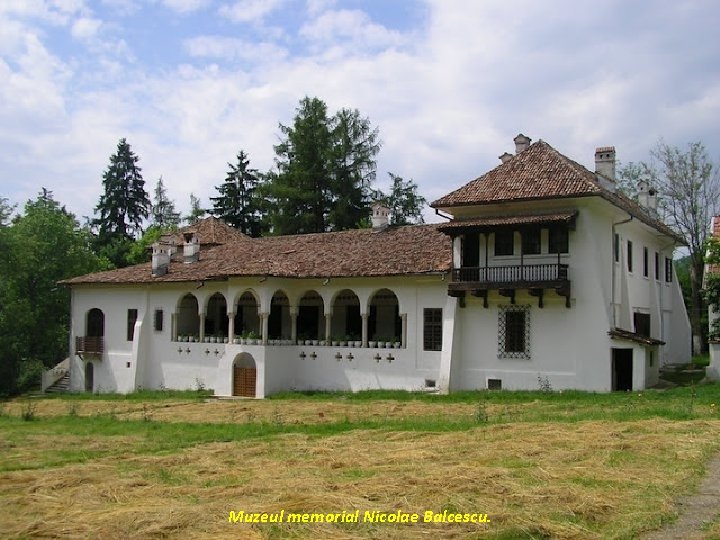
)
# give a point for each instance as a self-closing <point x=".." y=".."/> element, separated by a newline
<point x="507" y="156"/>
<point x="160" y="259"/>
<point x="380" y="216"/>
<point x="647" y="196"/>
<point x="191" y="248"/>
<point x="605" y="162"/>
<point x="521" y="143"/>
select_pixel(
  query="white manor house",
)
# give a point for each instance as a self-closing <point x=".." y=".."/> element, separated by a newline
<point x="543" y="274"/>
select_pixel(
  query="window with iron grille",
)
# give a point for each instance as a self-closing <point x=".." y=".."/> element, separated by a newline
<point x="645" y="261"/>
<point x="657" y="266"/>
<point x="668" y="269"/>
<point x="158" y="320"/>
<point x="531" y="241"/>
<point x="616" y="247"/>
<point x="131" y="319"/>
<point x="558" y="240"/>
<point x="432" y="329"/>
<point x="504" y="242"/>
<point x="514" y="332"/>
<point x="629" y="256"/>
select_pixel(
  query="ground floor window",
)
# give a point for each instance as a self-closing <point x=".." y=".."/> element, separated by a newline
<point x="432" y="329"/>
<point x="514" y="332"/>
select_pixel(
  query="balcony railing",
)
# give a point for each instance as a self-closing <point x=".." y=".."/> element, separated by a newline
<point x="519" y="275"/>
<point x="89" y="345"/>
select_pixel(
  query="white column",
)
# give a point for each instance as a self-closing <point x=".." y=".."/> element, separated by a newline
<point x="328" y="326"/>
<point x="264" y="320"/>
<point x="364" y="329"/>
<point x="293" y="324"/>
<point x="202" y="326"/>
<point x="231" y="326"/>
<point x="403" y="337"/>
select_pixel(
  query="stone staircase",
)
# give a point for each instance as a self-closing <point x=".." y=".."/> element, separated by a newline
<point x="60" y="386"/>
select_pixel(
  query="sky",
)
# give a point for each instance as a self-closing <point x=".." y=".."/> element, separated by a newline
<point x="449" y="83"/>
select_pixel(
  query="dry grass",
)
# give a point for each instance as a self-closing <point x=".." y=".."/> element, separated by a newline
<point x="589" y="479"/>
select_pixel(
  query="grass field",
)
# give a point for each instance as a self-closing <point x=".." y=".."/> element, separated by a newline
<point x="174" y="465"/>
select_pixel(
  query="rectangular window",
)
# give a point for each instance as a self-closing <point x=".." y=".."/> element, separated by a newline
<point x="131" y="319"/>
<point x="504" y="243"/>
<point x="158" y="320"/>
<point x="531" y="241"/>
<point x="645" y="261"/>
<point x="641" y="321"/>
<point x="432" y="329"/>
<point x="514" y="332"/>
<point x="558" y="240"/>
<point x="616" y="247"/>
<point x="629" y="256"/>
<point x="668" y="269"/>
<point x="657" y="266"/>
<point x="494" y="384"/>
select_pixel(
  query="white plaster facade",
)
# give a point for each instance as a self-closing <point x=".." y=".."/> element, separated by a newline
<point x="600" y="324"/>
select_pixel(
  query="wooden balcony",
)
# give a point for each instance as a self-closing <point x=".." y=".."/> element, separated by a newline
<point x="506" y="279"/>
<point x="92" y="346"/>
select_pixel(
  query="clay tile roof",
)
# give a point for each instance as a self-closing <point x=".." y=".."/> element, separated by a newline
<point x="211" y="231"/>
<point x="541" y="172"/>
<point x="410" y="250"/>
<point x="458" y="225"/>
<point x="619" y="333"/>
<point x="538" y="172"/>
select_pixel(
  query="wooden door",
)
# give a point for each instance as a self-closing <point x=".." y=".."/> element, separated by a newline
<point x="244" y="381"/>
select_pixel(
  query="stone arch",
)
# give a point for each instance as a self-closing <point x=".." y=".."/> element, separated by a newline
<point x="346" y="318"/>
<point x="244" y="376"/>
<point x="95" y="323"/>
<point x="216" y="319"/>
<point x="188" y="319"/>
<point x="310" y="319"/>
<point x="279" y="321"/>
<point x="384" y="322"/>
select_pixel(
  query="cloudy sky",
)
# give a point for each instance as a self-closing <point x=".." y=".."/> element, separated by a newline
<point x="449" y="83"/>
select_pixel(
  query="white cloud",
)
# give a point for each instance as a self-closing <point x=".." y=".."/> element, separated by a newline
<point x="85" y="28"/>
<point x="233" y="49"/>
<point x="185" y="6"/>
<point x="349" y="30"/>
<point x="249" y="11"/>
<point x="315" y="7"/>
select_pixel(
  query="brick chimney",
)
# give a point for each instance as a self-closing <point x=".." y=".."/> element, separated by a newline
<point x="605" y="162"/>
<point x="647" y="196"/>
<point x="507" y="156"/>
<point x="521" y="143"/>
<point x="380" y="216"/>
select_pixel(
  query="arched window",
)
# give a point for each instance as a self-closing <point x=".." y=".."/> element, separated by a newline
<point x="216" y="319"/>
<point x="95" y="323"/>
<point x="246" y="315"/>
<point x="310" y="316"/>
<point x="384" y="322"/>
<point x="346" y="321"/>
<point x="279" y="322"/>
<point x="188" y="320"/>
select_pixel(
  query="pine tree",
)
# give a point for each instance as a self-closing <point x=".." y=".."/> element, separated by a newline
<point x="195" y="211"/>
<point x="238" y="203"/>
<point x="163" y="209"/>
<point x="325" y="168"/>
<point x="403" y="200"/>
<point x="124" y="204"/>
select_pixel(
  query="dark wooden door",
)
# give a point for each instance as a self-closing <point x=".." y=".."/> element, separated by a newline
<point x="244" y="381"/>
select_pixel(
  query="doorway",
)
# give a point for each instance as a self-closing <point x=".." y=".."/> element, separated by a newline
<point x="622" y="370"/>
<point x="244" y="376"/>
<point x="89" y="376"/>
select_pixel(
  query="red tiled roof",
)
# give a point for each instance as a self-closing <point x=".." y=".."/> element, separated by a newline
<point x="541" y="172"/>
<point x="211" y="231"/>
<point x="538" y="172"/>
<point x="458" y="225"/>
<point x="414" y="249"/>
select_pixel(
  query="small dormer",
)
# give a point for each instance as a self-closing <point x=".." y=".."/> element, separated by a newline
<point x="191" y="248"/>
<point x="380" y="216"/>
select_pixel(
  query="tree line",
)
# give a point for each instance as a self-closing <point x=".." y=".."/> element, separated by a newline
<point x="322" y="180"/>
